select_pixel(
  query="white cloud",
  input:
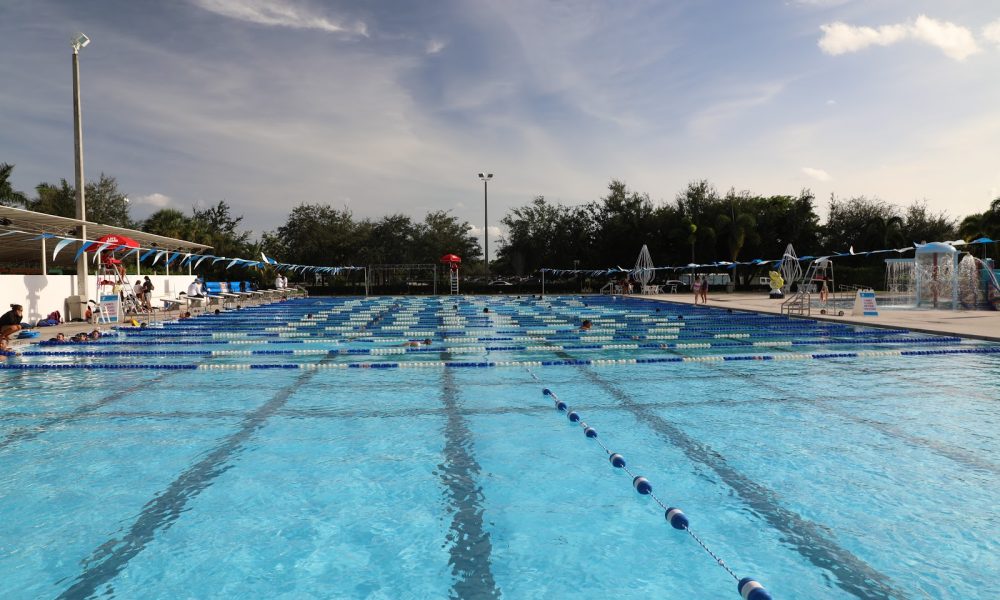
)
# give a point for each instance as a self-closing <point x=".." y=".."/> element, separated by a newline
<point x="476" y="231"/>
<point x="831" y="102"/>
<point x="280" y="13"/>
<point x="841" y="38"/>
<point x="991" y="33"/>
<point x="154" y="200"/>
<point x="817" y="174"/>
<point x="435" y="46"/>
<point x="954" y="40"/>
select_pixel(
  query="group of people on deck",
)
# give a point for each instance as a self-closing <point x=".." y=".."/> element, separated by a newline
<point x="143" y="290"/>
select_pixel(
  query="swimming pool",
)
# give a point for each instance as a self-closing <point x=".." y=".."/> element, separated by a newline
<point x="300" y="450"/>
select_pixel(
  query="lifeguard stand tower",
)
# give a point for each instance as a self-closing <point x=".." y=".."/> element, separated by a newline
<point x="114" y="291"/>
<point x="452" y="261"/>
<point x="819" y="275"/>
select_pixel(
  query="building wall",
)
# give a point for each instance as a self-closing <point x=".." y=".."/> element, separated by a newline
<point x="42" y="294"/>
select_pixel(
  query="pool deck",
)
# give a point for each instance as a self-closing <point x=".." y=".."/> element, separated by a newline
<point x="978" y="324"/>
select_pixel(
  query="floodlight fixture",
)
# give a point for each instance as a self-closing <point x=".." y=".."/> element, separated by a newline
<point x="486" y="226"/>
<point x="80" y="41"/>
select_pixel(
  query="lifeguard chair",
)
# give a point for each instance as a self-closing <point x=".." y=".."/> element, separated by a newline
<point x="112" y="280"/>
<point x="452" y="261"/>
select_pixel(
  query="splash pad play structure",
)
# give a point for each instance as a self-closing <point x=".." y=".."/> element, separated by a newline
<point x="941" y="277"/>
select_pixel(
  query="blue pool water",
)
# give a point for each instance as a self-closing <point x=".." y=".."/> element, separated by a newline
<point x="300" y="450"/>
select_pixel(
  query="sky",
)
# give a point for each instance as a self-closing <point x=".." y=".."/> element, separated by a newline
<point x="396" y="106"/>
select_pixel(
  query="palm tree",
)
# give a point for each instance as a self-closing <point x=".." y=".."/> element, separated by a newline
<point x="8" y="195"/>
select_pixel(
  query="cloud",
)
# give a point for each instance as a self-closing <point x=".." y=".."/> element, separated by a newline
<point x="955" y="41"/>
<point x="281" y="13"/>
<point x="831" y="102"/>
<point x="817" y="174"/>
<point x="841" y="38"/>
<point x="154" y="200"/>
<point x="495" y="232"/>
<point x="991" y="33"/>
<point x="713" y="119"/>
<point x="435" y="46"/>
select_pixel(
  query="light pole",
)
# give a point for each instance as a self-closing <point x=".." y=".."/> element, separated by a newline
<point x="79" y="41"/>
<point x="486" y="227"/>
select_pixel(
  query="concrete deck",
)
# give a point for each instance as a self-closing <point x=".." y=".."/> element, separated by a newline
<point x="978" y="324"/>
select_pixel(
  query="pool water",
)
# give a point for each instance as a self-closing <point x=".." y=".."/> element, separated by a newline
<point x="300" y="450"/>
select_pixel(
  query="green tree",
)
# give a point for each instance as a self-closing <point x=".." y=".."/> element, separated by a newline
<point x="8" y="195"/>
<point x="920" y="225"/>
<point x="984" y="224"/>
<point x="59" y="200"/>
<point x="168" y="222"/>
<point x="864" y="224"/>
<point x="737" y="226"/>
<point x="106" y="204"/>
<point x="442" y="233"/>
<point x="543" y="235"/>
<point x="390" y="240"/>
<point x="622" y="223"/>
<point x="315" y="234"/>
<point x="217" y="227"/>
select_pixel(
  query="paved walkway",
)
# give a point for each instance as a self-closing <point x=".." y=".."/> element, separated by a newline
<point x="980" y="324"/>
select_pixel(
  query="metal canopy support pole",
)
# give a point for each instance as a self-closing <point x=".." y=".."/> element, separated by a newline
<point x="137" y="262"/>
<point x="543" y="283"/>
<point x="45" y="258"/>
<point x="366" y="281"/>
<point x="81" y="203"/>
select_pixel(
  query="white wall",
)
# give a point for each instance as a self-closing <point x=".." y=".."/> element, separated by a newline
<point x="42" y="294"/>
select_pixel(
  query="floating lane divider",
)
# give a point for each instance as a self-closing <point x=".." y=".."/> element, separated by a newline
<point x="473" y="349"/>
<point x="748" y="588"/>
<point x="15" y="365"/>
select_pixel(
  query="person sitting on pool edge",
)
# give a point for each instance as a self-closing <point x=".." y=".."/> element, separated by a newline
<point x="10" y="322"/>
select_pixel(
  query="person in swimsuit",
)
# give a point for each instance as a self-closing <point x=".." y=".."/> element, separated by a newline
<point x="10" y="322"/>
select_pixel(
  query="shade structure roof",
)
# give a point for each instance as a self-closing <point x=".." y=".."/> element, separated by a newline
<point x="936" y="248"/>
<point x="25" y="245"/>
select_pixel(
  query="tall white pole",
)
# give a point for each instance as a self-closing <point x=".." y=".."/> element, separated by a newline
<point x="45" y="259"/>
<point x="81" y="207"/>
